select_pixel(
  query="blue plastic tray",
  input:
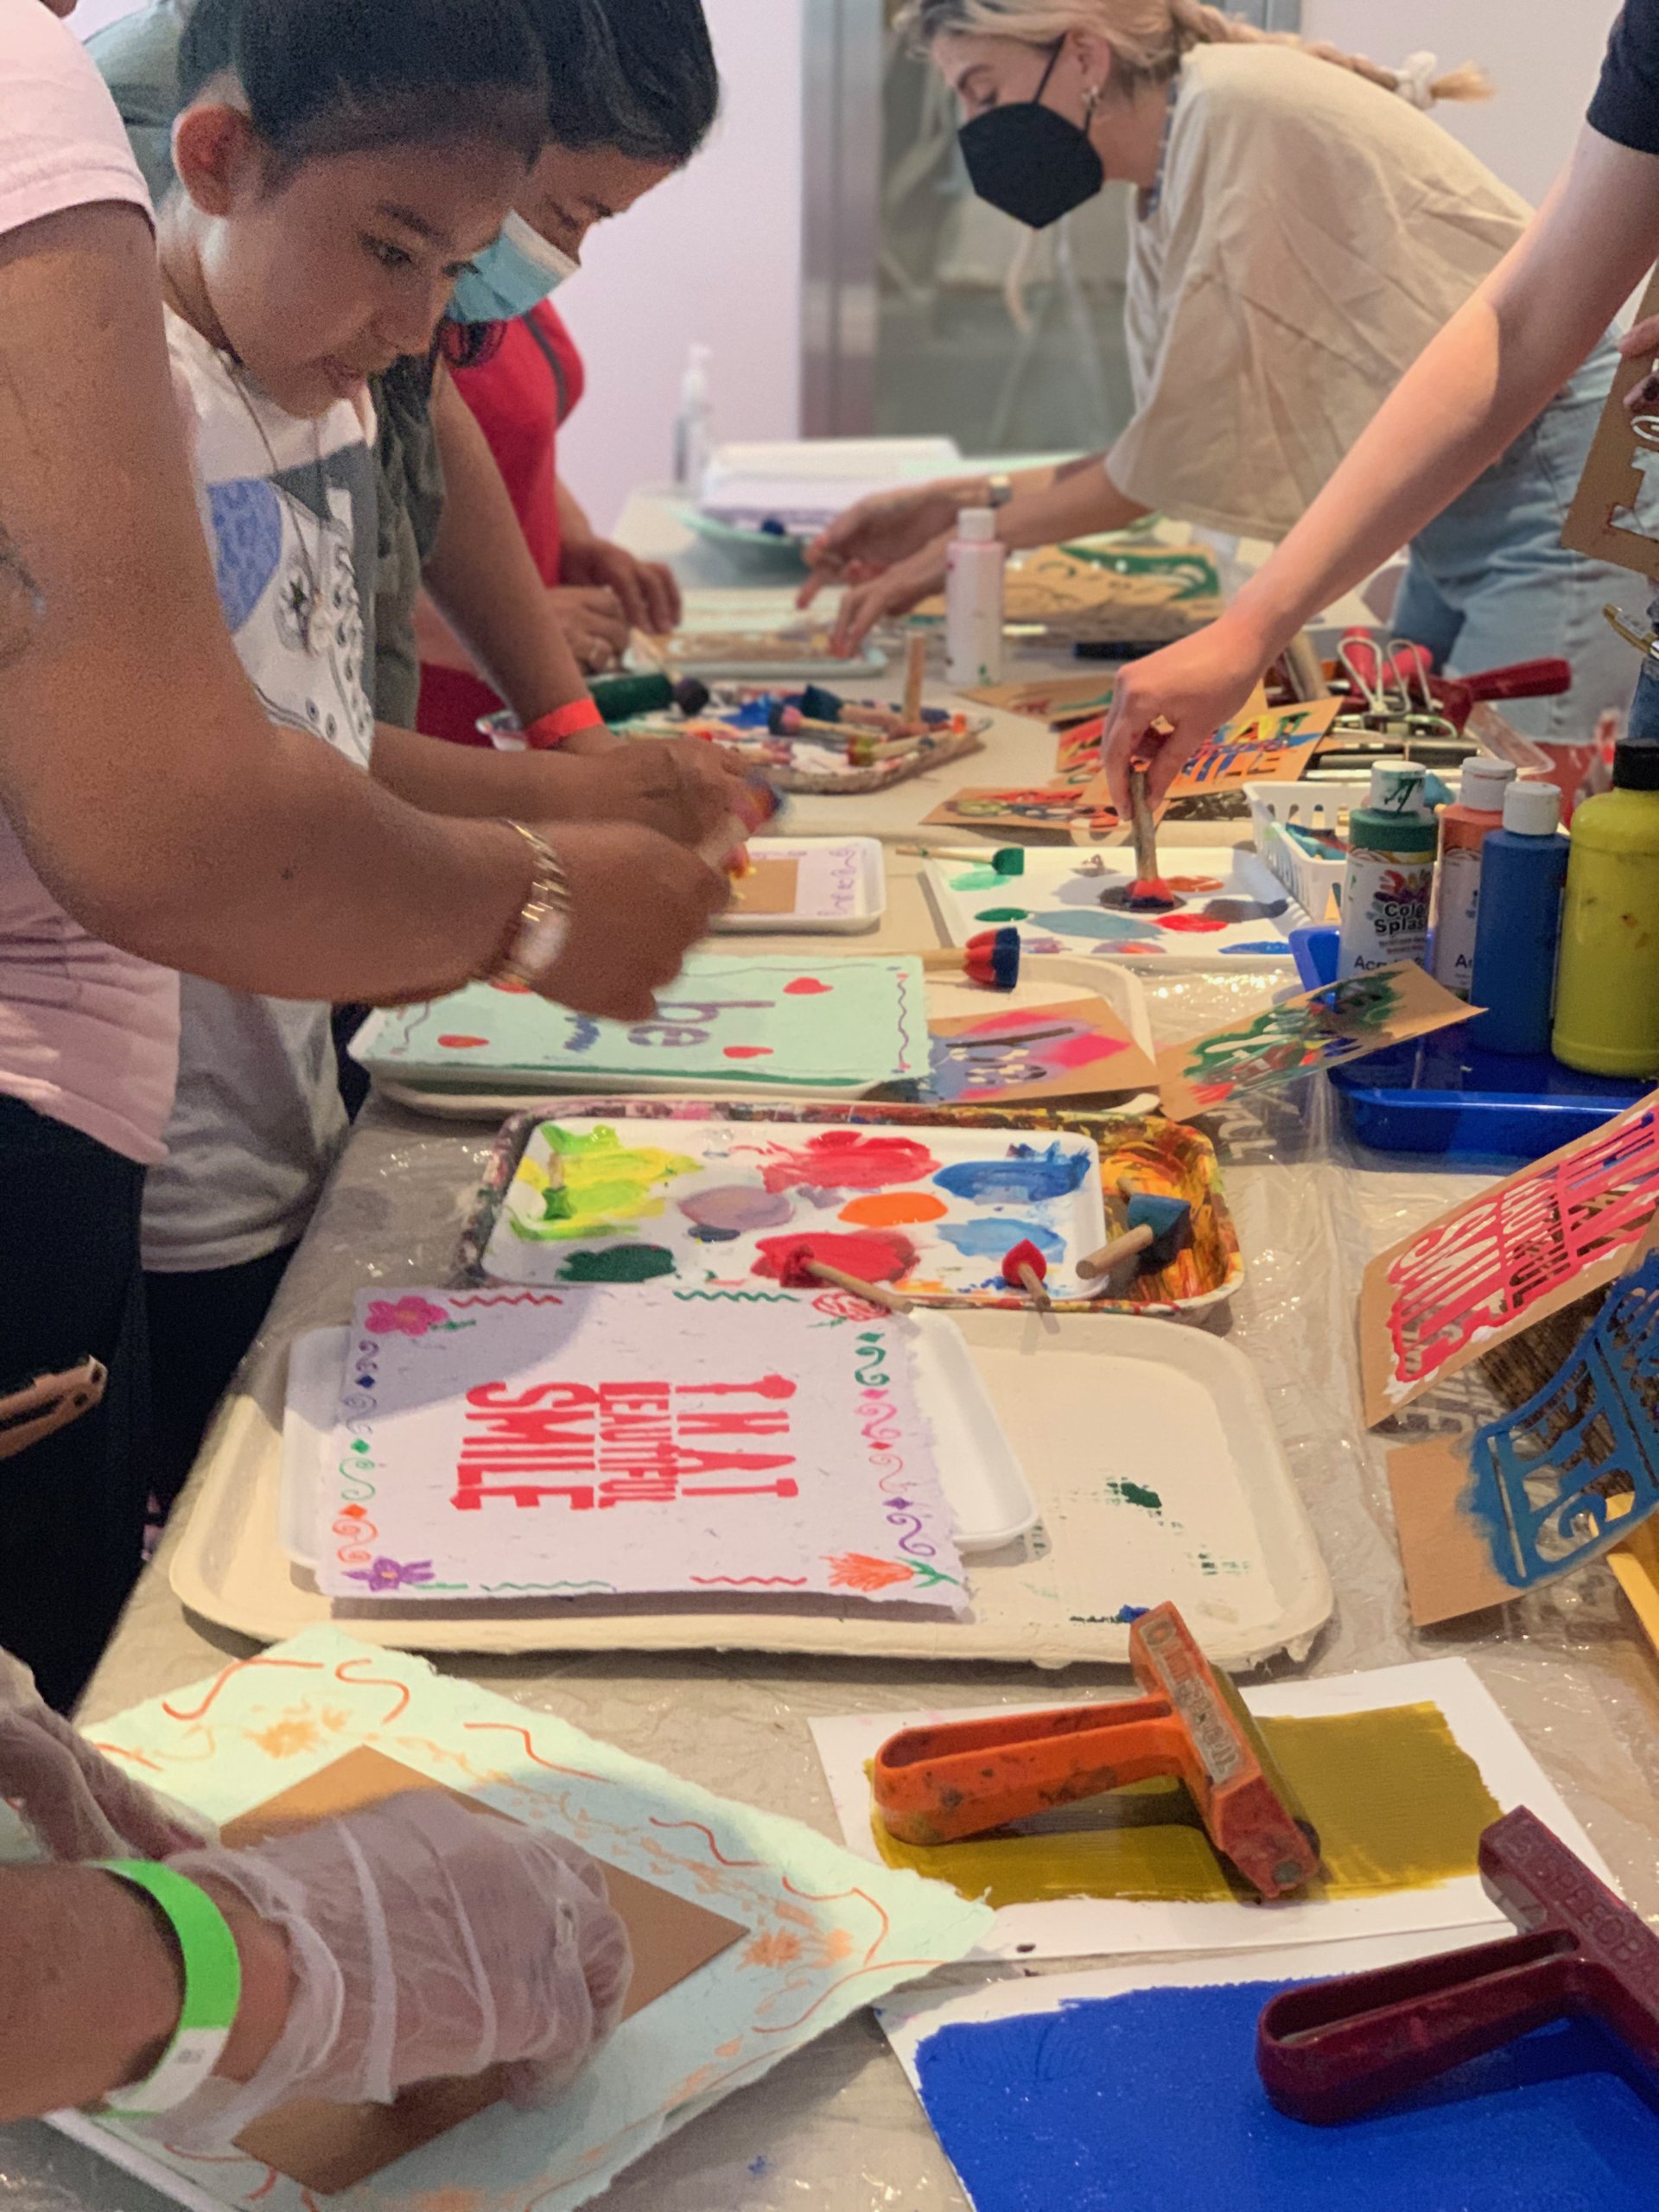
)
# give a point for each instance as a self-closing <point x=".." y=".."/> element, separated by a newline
<point x="1442" y="1094"/>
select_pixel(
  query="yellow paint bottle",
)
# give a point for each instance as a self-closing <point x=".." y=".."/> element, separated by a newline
<point x="1607" y="988"/>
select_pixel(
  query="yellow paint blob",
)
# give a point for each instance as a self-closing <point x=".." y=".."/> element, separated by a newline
<point x="1397" y="1803"/>
<point x="599" y="1186"/>
<point x="893" y="1208"/>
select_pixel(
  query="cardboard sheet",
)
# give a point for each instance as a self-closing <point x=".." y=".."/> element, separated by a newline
<point x="1506" y="1259"/>
<point x="1324" y="1028"/>
<point x="1263" y="745"/>
<point x="1449" y="1570"/>
<point x="1032" y="1055"/>
<point x="329" y="2147"/>
<point x="1605" y="519"/>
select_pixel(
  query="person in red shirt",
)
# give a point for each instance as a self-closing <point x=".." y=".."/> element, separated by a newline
<point x="632" y="108"/>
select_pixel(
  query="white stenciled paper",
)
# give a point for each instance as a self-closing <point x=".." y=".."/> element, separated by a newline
<point x="496" y="1444"/>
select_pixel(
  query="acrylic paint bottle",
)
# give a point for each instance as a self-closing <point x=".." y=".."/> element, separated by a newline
<point x="975" y="572"/>
<point x="1464" y="828"/>
<point x="1518" y="935"/>
<point x="1607" y="992"/>
<point x="694" y="434"/>
<point x="1390" y="872"/>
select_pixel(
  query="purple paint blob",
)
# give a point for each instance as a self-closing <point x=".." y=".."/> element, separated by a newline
<point x="1152" y="2098"/>
<point x="737" y="1208"/>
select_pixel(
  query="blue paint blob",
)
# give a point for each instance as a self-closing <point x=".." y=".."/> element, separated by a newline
<point x="1152" y="2098"/>
<point x="1026" y="1178"/>
<point x="1273" y="944"/>
<point x="1093" y="921"/>
<point x="991" y="1239"/>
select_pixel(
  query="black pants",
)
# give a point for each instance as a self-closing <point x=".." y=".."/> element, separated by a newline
<point x="199" y="1327"/>
<point x="71" y="1506"/>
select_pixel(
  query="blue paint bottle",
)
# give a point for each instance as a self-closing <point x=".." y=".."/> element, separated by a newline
<point x="1518" y="934"/>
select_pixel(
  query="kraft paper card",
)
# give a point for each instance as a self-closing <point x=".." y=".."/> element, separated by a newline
<point x="1605" y="521"/>
<point x="1324" y="1028"/>
<point x="1275" y="744"/>
<point x="1031" y="1055"/>
<point x="826" y="1933"/>
<point x="1509" y="1257"/>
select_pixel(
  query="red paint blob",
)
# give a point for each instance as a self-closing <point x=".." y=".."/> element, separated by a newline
<point x="846" y="1160"/>
<point x="805" y="987"/>
<point x="1194" y="924"/>
<point x="748" y="1052"/>
<point x="878" y="1257"/>
<point x="462" y="1043"/>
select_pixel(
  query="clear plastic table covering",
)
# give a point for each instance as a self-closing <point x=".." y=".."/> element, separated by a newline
<point x="836" y="2129"/>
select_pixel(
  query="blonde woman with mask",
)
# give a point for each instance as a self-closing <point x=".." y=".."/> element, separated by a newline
<point x="1302" y="230"/>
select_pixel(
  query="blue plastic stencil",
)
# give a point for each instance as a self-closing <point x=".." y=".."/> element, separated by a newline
<point x="1576" y="1468"/>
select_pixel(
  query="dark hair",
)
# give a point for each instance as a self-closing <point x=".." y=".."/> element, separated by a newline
<point x="329" y="77"/>
<point x="635" y="76"/>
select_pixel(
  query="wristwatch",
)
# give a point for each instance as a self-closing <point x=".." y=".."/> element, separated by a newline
<point x="998" y="491"/>
<point x="538" y="937"/>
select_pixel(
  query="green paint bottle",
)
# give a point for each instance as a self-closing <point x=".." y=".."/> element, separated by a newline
<point x="1607" y="989"/>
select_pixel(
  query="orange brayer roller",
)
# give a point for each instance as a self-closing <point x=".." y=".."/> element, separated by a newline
<point x="938" y="1785"/>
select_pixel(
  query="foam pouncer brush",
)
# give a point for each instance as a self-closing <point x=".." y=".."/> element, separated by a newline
<point x="802" y="1269"/>
<point x="991" y="960"/>
<point x="1334" y="2050"/>
<point x="1025" y="1268"/>
<point x="1159" y="1230"/>
<point x="942" y="1784"/>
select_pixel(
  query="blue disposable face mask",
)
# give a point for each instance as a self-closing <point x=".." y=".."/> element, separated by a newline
<point x="509" y="278"/>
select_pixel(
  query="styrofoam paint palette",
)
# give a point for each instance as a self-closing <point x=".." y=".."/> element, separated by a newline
<point x="715" y="624"/>
<point x="1082" y="1927"/>
<point x="840" y="886"/>
<point x="990" y="1500"/>
<point x="1088" y="1403"/>
<point x="1234" y="913"/>
<point x="721" y="1199"/>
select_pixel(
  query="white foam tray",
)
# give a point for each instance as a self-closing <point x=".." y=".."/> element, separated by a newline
<point x="990" y="1500"/>
<point x="869" y="901"/>
<point x="1087" y="1401"/>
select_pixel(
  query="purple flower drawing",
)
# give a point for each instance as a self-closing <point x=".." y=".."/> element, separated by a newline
<point x="387" y="1575"/>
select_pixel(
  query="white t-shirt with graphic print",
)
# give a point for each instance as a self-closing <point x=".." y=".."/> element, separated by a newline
<point x="289" y="506"/>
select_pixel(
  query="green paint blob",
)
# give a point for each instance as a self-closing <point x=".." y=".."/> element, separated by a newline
<point x="1137" y="1494"/>
<point x="624" y="1263"/>
<point x="1004" y="914"/>
<point x="978" y="879"/>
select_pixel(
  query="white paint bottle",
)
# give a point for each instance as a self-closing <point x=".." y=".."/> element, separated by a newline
<point x="1390" y="874"/>
<point x="975" y="572"/>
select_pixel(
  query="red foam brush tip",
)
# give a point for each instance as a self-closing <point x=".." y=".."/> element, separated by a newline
<point x="1022" y="1257"/>
<point x="992" y="959"/>
<point x="1150" y="894"/>
<point x="795" y="1272"/>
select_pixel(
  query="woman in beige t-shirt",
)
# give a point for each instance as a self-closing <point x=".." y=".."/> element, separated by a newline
<point x="1302" y="231"/>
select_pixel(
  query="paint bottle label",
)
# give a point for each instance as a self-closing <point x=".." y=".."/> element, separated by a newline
<point x="1454" y="927"/>
<point x="1384" y="909"/>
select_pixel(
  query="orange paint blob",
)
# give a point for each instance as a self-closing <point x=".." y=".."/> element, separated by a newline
<point x="892" y="1209"/>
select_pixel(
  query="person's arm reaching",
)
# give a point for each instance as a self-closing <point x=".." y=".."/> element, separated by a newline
<point x="645" y="590"/>
<point x="1492" y="370"/>
<point x="891" y="550"/>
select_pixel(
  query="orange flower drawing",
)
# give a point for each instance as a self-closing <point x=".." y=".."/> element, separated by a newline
<point x="773" y="1949"/>
<point x="854" y="1571"/>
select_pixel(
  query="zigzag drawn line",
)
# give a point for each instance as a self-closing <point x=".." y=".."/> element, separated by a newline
<point x="754" y="1581"/>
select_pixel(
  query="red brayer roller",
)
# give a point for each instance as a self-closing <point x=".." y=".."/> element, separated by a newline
<point x="1336" y="2049"/>
<point x="938" y="1784"/>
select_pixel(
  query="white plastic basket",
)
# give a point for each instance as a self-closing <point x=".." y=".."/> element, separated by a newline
<point x="1311" y="882"/>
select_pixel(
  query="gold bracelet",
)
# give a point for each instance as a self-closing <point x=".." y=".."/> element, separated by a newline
<point x="539" y="935"/>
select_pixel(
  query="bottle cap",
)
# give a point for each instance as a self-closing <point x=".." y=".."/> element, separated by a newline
<point x="1532" y="810"/>
<point x="1397" y="788"/>
<point x="1484" y="782"/>
<point x="1636" y="767"/>
<point x="977" y="525"/>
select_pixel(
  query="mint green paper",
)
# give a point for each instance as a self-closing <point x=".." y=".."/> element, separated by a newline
<point x="756" y="1022"/>
<point x="831" y="1933"/>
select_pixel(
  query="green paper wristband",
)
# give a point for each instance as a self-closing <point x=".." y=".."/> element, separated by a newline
<point x="212" y="1988"/>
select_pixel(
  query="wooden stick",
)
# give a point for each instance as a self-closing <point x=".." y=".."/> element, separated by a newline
<point x="1113" y="1255"/>
<point x="1036" y="1291"/>
<point x="878" y="1293"/>
<point x="898" y="748"/>
<point x="1146" y="832"/>
<point x="915" y="676"/>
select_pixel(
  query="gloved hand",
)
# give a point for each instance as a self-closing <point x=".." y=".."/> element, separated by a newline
<point x="79" y="1805"/>
<point x="424" y="1940"/>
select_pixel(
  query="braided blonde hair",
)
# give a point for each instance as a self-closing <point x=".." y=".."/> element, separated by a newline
<point x="1148" y="37"/>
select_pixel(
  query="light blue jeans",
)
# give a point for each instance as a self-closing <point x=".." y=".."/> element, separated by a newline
<point x="1488" y="582"/>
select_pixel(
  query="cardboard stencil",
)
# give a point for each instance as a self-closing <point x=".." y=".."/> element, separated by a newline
<point x="504" y="1444"/>
<point x="826" y="1933"/>
<point x="1324" y="1028"/>
<point x="1029" y="1055"/>
<point x="1604" y="520"/>
<point x="1506" y="1259"/>
<point x="1263" y="745"/>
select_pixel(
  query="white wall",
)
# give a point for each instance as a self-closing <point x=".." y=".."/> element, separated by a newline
<point x="713" y="256"/>
<point x="1544" y="56"/>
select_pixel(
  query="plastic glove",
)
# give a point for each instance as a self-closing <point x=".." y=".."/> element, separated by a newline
<point x="78" y="1805"/>
<point x="425" y="1939"/>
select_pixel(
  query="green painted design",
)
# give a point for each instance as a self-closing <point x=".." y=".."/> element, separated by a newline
<point x="620" y="1263"/>
<point x="1136" y="1494"/>
<point x="978" y="879"/>
<point x="1004" y="914"/>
